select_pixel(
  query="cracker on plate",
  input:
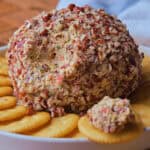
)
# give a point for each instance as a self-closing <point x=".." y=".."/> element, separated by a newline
<point x="129" y="133"/>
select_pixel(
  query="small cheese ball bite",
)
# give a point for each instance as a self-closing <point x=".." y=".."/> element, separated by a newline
<point x="111" y="114"/>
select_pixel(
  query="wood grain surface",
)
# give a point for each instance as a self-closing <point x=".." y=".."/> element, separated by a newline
<point x="14" y="12"/>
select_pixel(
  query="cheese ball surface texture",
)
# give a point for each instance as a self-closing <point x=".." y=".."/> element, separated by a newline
<point x="67" y="60"/>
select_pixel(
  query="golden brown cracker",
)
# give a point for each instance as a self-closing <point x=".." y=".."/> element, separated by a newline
<point x="94" y="134"/>
<point x="5" y="81"/>
<point x="141" y="95"/>
<point x="26" y="124"/>
<point x="59" y="127"/>
<point x="13" y="113"/>
<point x="144" y="112"/>
<point x="3" y="60"/>
<point x="146" y="69"/>
<point x="7" y="102"/>
<point x="3" y="66"/>
<point x="6" y="91"/>
<point x="76" y="134"/>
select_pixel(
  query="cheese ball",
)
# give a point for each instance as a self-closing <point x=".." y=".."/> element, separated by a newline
<point x="67" y="60"/>
<point x="111" y="114"/>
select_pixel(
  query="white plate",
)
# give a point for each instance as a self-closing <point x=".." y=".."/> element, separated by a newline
<point x="10" y="141"/>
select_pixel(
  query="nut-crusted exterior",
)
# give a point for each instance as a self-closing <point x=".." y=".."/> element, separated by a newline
<point x="111" y="114"/>
<point x="66" y="60"/>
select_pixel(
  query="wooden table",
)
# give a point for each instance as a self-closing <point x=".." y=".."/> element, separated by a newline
<point x="14" y="12"/>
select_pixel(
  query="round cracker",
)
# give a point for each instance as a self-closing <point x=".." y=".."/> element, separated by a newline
<point x="5" y="81"/>
<point x="146" y="69"/>
<point x="6" y="91"/>
<point x="76" y="134"/>
<point x="144" y="112"/>
<point x="27" y="124"/>
<point x="13" y="113"/>
<point x="59" y="127"/>
<point x="94" y="134"/>
<point x="3" y="67"/>
<point x="4" y="71"/>
<point x="141" y="95"/>
<point x="3" y="60"/>
<point x="7" y="102"/>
